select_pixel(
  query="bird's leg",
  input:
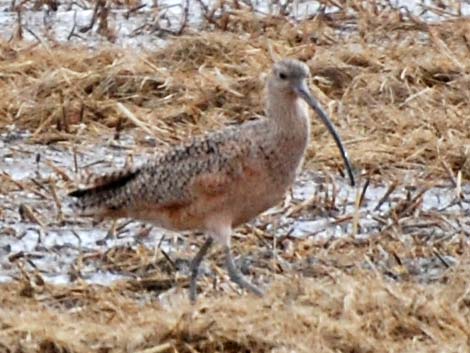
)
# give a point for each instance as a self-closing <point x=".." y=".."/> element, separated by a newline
<point x="236" y="276"/>
<point x="194" y="267"/>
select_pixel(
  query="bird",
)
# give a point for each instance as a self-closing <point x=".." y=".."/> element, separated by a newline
<point x="218" y="181"/>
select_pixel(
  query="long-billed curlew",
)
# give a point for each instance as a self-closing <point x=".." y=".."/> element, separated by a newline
<point x="221" y="180"/>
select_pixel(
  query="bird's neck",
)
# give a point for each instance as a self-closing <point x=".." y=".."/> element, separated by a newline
<point x="290" y="117"/>
<point x="289" y="122"/>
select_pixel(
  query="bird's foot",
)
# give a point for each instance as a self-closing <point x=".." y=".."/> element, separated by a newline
<point x="237" y="277"/>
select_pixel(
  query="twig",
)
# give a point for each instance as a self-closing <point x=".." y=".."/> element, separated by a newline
<point x="133" y="118"/>
<point x="167" y="257"/>
<point x="18" y="34"/>
<point x="60" y="214"/>
<point x="133" y="9"/>
<point x="441" y="258"/>
<point x="72" y="31"/>
<point x="363" y="193"/>
<point x="184" y="19"/>
<point x="387" y="194"/>
<point x="84" y="29"/>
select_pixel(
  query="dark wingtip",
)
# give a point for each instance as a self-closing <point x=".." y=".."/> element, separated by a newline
<point x="77" y="193"/>
<point x="106" y="183"/>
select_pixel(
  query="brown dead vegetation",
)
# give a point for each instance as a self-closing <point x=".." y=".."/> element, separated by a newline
<point x="397" y="89"/>
<point x="335" y="312"/>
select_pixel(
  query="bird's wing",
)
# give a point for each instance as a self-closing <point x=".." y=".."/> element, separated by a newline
<point x="206" y="164"/>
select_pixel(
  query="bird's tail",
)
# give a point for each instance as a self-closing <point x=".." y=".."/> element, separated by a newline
<point x="108" y="193"/>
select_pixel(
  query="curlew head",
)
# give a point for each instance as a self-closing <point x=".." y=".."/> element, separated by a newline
<point x="288" y="74"/>
<point x="289" y="78"/>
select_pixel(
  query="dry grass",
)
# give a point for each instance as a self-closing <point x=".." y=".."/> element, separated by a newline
<point x="336" y="312"/>
<point x="398" y="90"/>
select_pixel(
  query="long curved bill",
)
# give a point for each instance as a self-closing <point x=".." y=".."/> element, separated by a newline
<point x="303" y="91"/>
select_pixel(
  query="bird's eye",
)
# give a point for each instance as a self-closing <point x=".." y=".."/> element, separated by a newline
<point x="282" y="76"/>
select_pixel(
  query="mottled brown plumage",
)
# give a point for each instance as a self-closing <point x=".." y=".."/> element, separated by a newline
<point x="221" y="180"/>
